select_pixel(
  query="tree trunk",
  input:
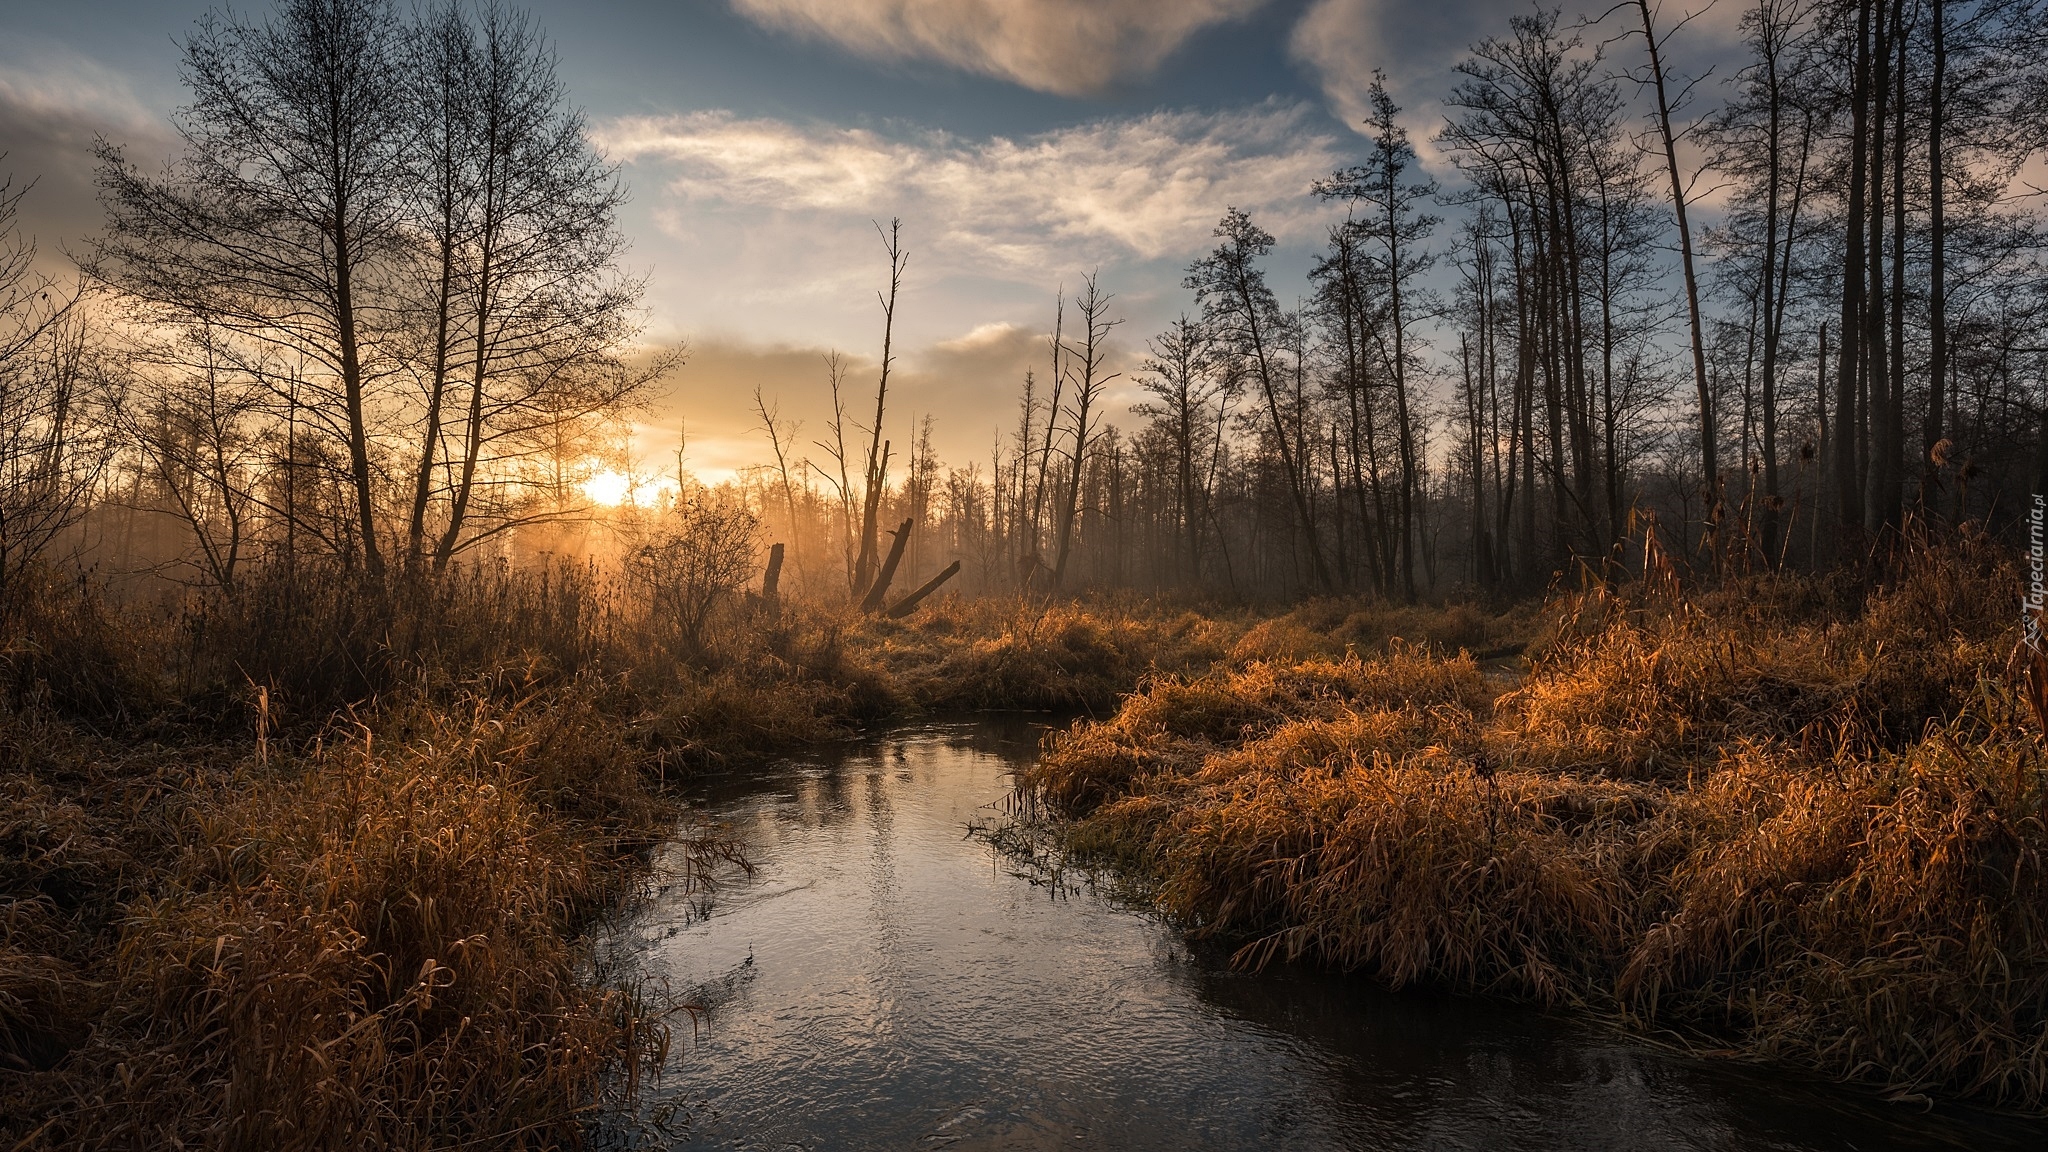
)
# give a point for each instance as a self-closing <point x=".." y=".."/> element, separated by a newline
<point x="1893" y="489"/>
<point x="1848" y="367"/>
<point x="1876" y="359"/>
<point x="908" y="604"/>
<point x="1773" y="145"/>
<point x="352" y="391"/>
<point x="1937" y="258"/>
<point x="1709" y="458"/>
<point x="880" y="590"/>
<point x="771" y="581"/>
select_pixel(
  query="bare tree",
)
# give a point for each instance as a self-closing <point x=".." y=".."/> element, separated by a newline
<point x="875" y="478"/>
<point x="1397" y="229"/>
<point x="193" y="423"/>
<point x="1244" y="318"/>
<point x="1090" y="379"/>
<point x="272" y="221"/>
<point x="1708" y="430"/>
<point x="545" y="312"/>
<point x="1181" y="376"/>
<point x="838" y="476"/>
<point x="781" y="437"/>
<point x="56" y="396"/>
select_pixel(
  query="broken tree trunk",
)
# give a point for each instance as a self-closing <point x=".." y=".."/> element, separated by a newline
<point x="880" y="590"/>
<point x="908" y="604"/>
<point x="771" y="584"/>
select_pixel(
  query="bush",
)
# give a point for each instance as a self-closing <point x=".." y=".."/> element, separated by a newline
<point x="697" y="560"/>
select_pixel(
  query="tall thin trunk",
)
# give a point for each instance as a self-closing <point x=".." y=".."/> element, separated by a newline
<point x="877" y="471"/>
<point x="1709" y="457"/>
<point x="1893" y="490"/>
<point x="1848" y="367"/>
<point x="1773" y="146"/>
<point x="1822" y="447"/>
<point x="1877" y="361"/>
<point x="1059" y="378"/>
<point x="1937" y="256"/>
<point x="1296" y="482"/>
<point x="437" y="387"/>
<point x="352" y="391"/>
<point x="1406" y="429"/>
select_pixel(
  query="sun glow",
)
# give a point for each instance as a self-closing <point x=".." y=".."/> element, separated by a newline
<point x="611" y="488"/>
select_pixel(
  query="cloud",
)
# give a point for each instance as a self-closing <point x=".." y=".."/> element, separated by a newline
<point x="1069" y="47"/>
<point x="1342" y="41"/>
<point x="1144" y="188"/>
<point x="52" y="105"/>
<point x="969" y="381"/>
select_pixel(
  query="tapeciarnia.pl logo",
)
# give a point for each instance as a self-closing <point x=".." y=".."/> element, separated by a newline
<point x="2037" y="571"/>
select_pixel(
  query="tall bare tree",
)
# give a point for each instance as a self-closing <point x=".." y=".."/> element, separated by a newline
<point x="875" y="477"/>
<point x="272" y="221"/>
<point x="1182" y="377"/>
<point x="56" y="402"/>
<point x="1089" y="354"/>
<point x="1710" y="467"/>
<point x="1397" y="229"/>
<point x="544" y="313"/>
<point x="1244" y="318"/>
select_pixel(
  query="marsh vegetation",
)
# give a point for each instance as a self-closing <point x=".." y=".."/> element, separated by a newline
<point x="1654" y="654"/>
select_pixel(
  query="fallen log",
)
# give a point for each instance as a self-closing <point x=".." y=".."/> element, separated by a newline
<point x="908" y="604"/>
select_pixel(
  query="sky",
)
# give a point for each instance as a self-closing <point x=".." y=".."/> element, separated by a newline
<point x="1023" y="143"/>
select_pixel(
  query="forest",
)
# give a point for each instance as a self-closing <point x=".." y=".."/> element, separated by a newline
<point x="1611" y="579"/>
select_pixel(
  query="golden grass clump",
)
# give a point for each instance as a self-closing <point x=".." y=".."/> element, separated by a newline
<point x="369" y="946"/>
<point x="1030" y="653"/>
<point x="1330" y="627"/>
<point x="1769" y="821"/>
<point x="1881" y="917"/>
<point x="1170" y="725"/>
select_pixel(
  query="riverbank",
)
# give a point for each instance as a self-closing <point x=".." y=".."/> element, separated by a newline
<point x="877" y="981"/>
<point x="315" y="866"/>
<point x="1782" y="818"/>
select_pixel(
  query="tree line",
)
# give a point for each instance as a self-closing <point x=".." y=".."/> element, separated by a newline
<point x="372" y="313"/>
<point x="1857" y="339"/>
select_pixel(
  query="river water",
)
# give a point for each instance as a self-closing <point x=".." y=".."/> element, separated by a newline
<point x="882" y="980"/>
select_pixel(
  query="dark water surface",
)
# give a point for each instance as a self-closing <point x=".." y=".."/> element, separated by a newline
<point x="884" y="981"/>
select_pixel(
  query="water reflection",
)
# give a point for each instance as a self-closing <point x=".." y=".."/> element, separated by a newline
<point x="883" y="981"/>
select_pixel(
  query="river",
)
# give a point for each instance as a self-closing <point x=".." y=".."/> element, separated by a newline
<point x="882" y="980"/>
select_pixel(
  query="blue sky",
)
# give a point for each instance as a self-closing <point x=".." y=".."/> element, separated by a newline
<point x="1023" y="142"/>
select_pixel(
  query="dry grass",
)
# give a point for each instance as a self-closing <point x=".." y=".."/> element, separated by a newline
<point x="370" y="943"/>
<point x="310" y="867"/>
<point x="312" y="870"/>
<point x="1334" y="627"/>
<point x="1760" y="819"/>
<point x="1031" y="653"/>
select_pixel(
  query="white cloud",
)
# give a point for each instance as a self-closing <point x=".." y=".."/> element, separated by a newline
<point x="1142" y="188"/>
<point x="56" y="84"/>
<point x="53" y="104"/>
<point x="1071" y="47"/>
<point x="760" y="235"/>
<point x="994" y="335"/>
<point x="1343" y="41"/>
